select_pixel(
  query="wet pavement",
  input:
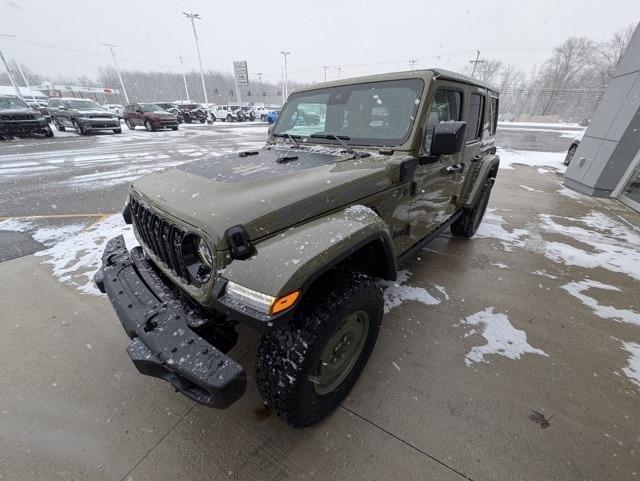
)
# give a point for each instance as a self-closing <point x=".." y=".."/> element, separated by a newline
<point x="513" y="355"/>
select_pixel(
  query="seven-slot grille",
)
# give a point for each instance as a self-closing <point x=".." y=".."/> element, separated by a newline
<point x="161" y="237"/>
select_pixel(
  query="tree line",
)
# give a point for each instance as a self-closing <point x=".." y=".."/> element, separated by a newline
<point x="567" y="87"/>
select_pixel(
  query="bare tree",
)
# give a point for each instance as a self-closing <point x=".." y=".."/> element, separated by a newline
<point x="608" y="54"/>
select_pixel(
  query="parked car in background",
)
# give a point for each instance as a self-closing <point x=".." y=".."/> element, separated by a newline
<point x="150" y="116"/>
<point x="228" y="113"/>
<point x="272" y="116"/>
<point x="260" y="113"/>
<point x="173" y="109"/>
<point x="83" y="115"/>
<point x="39" y="106"/>
<point x="192" y="112"/>
<point x="249" y="114"/>
<point x="572" y="148"/>
<point x="18" y="119"/>
<point x="114" y="108"/>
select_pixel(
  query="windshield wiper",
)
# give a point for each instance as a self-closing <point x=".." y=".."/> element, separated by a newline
<point x="341" y="139"/>
<point x="292" y="138"/>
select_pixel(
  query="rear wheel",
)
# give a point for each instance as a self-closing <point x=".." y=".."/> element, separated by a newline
<point x="175" y="127"/>
<point x="48" y="132"/>
<point x="263" y="117"/>
<point x="60" y="127"/>
<point x="229" y="118"/>
<point x="305" y="369"/>
<point x="467" y="224"/>
<point x="117" y="131"/>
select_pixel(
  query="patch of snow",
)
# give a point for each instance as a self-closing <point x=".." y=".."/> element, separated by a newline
<point x="47" y="236"/>
<point x="572" y="194"/>
<point x="553" y="160"/>
<point x="577" y="289"/>
<point x="632" y="371"/>
<point x="499" y="265"/>
<point x="531" y="189"/>
<point x="76" y="259"/>
<point x="613" y="245"/>
<point x="397" y="293"/>
<point x="502" y="338"/>
<point x="492" y="227"/>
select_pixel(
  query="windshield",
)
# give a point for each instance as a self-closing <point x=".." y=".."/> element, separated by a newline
<point x="376" y="113"/>
<point x="83" y="105"/>
<point x="151" y="108"/>
<point x="12" y="103"/>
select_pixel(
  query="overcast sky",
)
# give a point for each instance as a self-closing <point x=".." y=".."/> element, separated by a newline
<point x="65" y="37"/>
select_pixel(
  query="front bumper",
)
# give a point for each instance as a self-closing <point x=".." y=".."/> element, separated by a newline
<point x="24" y="127"/>
<point x="100" y="124"/>
<point x="159" y="320"/>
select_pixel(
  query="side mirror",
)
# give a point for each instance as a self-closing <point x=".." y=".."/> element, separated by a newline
<point x="448" y="138"/>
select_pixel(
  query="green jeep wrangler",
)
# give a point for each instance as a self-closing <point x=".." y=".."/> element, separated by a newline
<point x="293" y="239"/>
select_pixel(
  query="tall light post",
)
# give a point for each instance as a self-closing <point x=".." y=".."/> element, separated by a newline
<point x="24" y="79"/>
<point x="339" y="69"/>
<point x="9" y="74"/>
<point x="184" y="77"/>
<point x="412" y="63"/>
<point x="115" y="62"/>
<point x="193" y="17"/>
<point x="285" y="91"/>
<point x="325" y="67"/>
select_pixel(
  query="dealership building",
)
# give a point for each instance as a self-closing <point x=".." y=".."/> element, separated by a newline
<point x="607" y="162"/>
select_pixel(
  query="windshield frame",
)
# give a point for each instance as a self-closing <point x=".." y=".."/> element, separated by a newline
<point x="420" y="85"/>
<point x="94" y="106"/>
<point x="19" y="103"/>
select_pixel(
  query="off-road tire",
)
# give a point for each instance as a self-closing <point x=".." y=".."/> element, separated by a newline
<point x="229" y="118"/>
<point x="263" y="117"/>
<point x="467" y="224"/>
<point x="287" y="358"/>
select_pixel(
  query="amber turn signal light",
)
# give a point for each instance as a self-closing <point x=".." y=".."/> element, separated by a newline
<point x="282" y="303"/>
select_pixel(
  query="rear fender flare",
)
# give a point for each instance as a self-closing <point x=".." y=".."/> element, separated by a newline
<point x="488" y="168"/>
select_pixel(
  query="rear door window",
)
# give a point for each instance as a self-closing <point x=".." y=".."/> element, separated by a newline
<point x="476" y="114"/>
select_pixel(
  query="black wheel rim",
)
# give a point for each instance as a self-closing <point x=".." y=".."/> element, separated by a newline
<point x="341" y="352"/>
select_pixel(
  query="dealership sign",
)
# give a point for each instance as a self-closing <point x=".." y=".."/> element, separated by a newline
<point x="241" y="73"/>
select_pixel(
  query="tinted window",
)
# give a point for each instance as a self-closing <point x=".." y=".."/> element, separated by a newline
<point x="446" y="107"/>
<point x="494" y="115"/>
<point x="476" y="113"/>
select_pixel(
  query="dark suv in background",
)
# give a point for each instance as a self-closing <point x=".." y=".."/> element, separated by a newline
<point x="17" y="119"/>
<point x="150" y="116"/>
<point x="83" y="115"/>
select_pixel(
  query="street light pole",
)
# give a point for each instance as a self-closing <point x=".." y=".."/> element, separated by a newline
<point x="26" y="82"/>
<point x="192" y="17"/>
<point x="339" y="69"/>
<point x="285" y="89"/>
<point x="412" y="63"/>
<point x="325" y="67"/>
<point x="9" y="74"/>
<point x="184" y="78"/>
<point x="115" y="62"/>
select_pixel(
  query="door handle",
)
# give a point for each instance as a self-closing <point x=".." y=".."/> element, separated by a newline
<point x="452" y="169"/>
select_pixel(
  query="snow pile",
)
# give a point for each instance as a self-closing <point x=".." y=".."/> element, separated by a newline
<point x="632" y="371"/>
<point x="491" y="227"/>
<point x="47" y="236"/>
<point x="76" y="259"/>
<point x="613" y="245"/>
<point x="397" y="293"/>
<point x="577" y="289"/>
<point x="531" y="158"/>
<point x="502" y="338"/>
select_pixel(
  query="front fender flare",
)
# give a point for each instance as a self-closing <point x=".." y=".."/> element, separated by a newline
<point x="296" y="257"/>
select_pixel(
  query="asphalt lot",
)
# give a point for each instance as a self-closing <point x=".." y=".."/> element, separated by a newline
<point x="511" y="356"/>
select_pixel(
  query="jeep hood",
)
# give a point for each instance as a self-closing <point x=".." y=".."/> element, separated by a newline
<point x="262" y="192"/>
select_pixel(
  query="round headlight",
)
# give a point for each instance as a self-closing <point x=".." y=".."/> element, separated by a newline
<point x="204" y="252"/>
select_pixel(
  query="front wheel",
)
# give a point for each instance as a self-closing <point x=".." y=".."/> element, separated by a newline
<point x="263" y="118"/>
<point x="48" y="132"/>
<point x="229" y="118"/>
<point x="130" y="124"/>
<point x="117" y="131"/>
<point x="148" y="126"/>
<point x="305" y="369"/>
<point x="467" y="224"/>
<point x="79" y="128"/>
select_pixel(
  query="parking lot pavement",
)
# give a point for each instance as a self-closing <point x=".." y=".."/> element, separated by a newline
<point x="513" y="355"/>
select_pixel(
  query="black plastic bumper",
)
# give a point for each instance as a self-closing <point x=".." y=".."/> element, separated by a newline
<point x="158" y="321"/>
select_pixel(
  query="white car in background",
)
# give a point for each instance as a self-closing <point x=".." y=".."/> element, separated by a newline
<point x="115" y="109"/>
<point x="573" y="147"/>
<point x="260" y="113"/>
<point x="228" y="113"/>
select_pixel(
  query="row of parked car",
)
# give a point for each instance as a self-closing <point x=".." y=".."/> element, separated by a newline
<point x="84" y="116"/>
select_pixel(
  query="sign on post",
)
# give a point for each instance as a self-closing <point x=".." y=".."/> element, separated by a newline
<point x="241" y="73"/>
